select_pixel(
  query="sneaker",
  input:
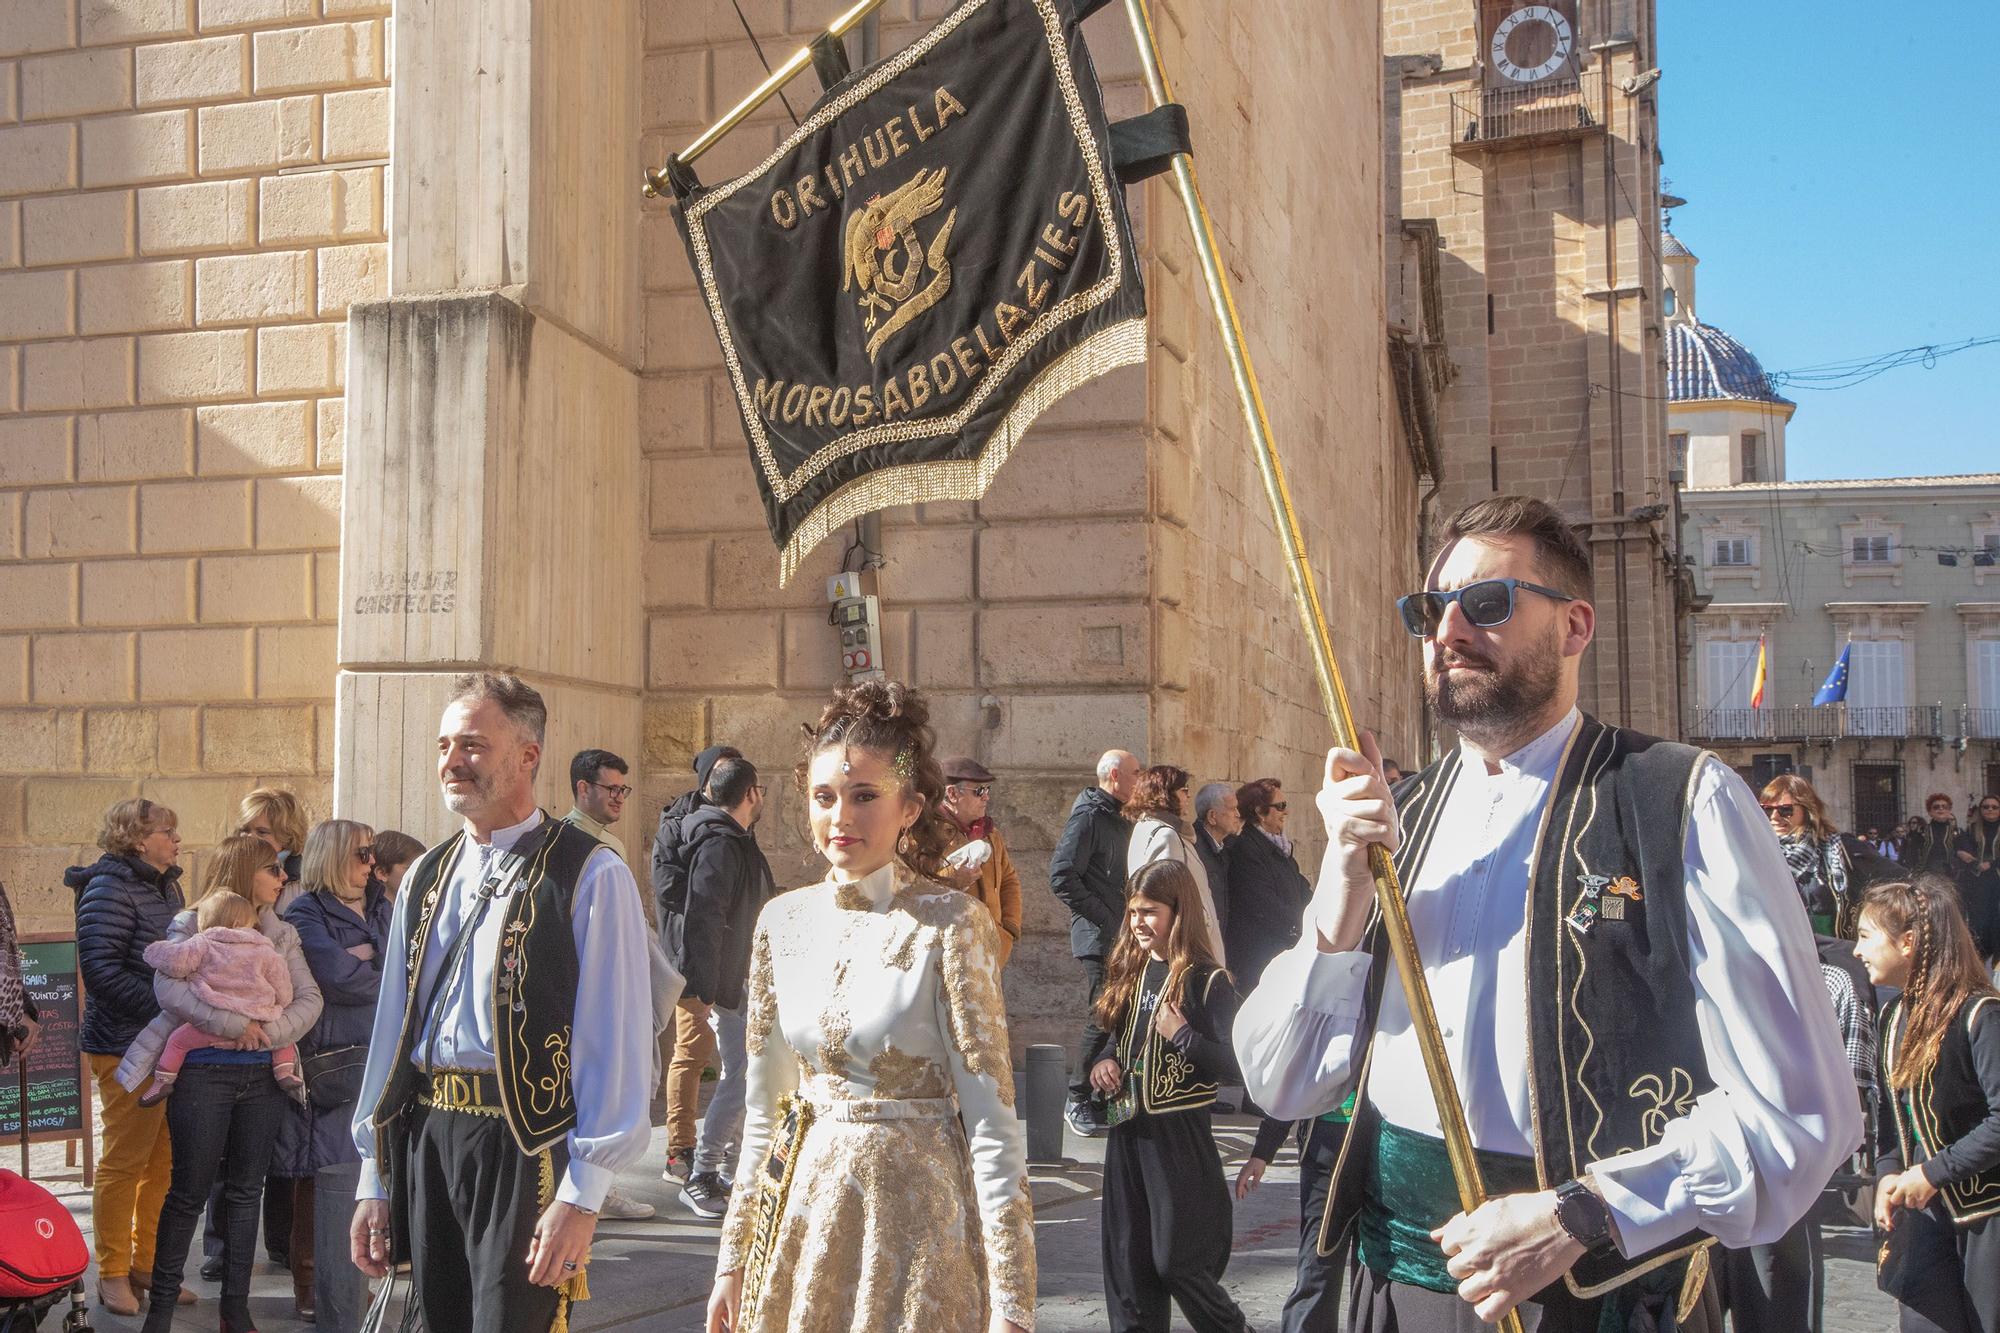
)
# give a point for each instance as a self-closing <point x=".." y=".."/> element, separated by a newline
<point x="680" y="1164"/>
<point x="619" y="1206"/>
<point x="1084" y="1118"/>
<point x="706" y="1195"/>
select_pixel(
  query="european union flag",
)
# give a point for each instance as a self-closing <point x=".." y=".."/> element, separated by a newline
<point x="1835" y="689"/>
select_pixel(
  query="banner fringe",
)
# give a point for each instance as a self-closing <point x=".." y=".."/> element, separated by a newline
<point x="1120" y="344"/>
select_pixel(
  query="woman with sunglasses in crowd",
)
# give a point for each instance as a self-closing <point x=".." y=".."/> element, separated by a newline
<point x="342" y="918"/>
<point x="1831" y="869"/>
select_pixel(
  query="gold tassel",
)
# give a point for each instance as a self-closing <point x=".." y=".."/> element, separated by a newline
<point x="569" y="1290"/>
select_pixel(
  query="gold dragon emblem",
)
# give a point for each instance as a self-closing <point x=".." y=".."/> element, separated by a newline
<point x="885" y="259"/>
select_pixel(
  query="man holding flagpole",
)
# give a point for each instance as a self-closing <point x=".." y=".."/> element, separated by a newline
<point x="1629" y="996"/>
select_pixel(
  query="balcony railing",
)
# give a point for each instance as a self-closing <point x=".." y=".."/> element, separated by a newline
<point x="1805" y="722"/>
<point x="1979" y="724"/>
<point x="1483" y="118"/>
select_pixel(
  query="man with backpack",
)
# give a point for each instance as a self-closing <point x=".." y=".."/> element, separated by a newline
<point x="728" y="881"/>
<point x="694" y="1042"/>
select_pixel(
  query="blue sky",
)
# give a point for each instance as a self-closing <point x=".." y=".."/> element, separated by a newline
<point x="1843" y="186"/>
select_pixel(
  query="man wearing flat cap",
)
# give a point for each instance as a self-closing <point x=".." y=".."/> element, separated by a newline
<point x="979" y="863"/>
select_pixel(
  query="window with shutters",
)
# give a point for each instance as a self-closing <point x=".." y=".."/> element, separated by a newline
<point x="1872" y="550"/>
<point x="1730" y="668"/>
<point x="1753" y="455"/>
<point x="1985" y="683"/>
<point x="1732" y="551"/>
<point x="1878" y="689"/>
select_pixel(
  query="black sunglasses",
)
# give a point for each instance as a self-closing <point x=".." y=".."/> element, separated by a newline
<point x="1781" y="811"/>
<point x="1487" y="603"/>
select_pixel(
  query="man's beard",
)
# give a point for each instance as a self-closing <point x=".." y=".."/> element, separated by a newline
<point x="466" y="802"/>
<point x="1493" y="702"/>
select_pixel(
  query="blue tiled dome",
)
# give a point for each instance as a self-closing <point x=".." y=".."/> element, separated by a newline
<point x="1704" y="363"/>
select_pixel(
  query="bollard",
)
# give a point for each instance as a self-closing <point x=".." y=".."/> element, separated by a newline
<point x="1048" y="1089"/>
<point x="339" y="1289"/>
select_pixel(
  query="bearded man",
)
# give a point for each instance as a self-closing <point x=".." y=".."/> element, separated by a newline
<point x="1625" y="985"/>
<point x="506" y="1082"/>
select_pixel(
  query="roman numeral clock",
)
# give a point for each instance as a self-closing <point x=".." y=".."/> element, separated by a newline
<point x="1531" y="43"/>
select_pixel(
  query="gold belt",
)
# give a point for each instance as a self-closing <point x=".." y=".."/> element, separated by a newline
<point x="472" y="1091"/>
<point x="871" y="1109"/>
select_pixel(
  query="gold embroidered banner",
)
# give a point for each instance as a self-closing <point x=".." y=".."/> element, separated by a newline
<point x="936" y="255"/>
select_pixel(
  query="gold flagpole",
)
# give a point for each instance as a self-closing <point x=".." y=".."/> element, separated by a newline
<point x="656" y="181"/>
<point x="1333" y="691"/>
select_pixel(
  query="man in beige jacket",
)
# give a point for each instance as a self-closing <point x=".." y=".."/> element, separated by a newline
<point x="979" y="863"/>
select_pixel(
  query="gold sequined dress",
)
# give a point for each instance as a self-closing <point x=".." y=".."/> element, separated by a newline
<point x="879" y="1002"/>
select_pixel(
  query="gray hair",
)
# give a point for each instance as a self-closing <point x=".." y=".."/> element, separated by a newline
<point x="1107" y="764"/>
<point x="520" y="701"/>
<point x="1211" y="795"/>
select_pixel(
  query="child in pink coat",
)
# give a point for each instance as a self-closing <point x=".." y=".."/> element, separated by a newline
<point x="232" y="966"/>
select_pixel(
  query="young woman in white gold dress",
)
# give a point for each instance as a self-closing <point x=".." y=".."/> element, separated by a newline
<point x="883" y="1179"/>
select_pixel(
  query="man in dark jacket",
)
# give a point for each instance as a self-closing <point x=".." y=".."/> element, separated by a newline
<point x="694" y="1044"/>
<point x="1087" y="871"/>
<point x="728" y="883"/>
<point x="1217" y="821"/>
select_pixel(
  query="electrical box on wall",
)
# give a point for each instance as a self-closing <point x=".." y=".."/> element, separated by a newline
<point x="857" y="619"/>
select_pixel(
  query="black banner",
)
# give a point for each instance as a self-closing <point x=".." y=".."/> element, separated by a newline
<point x="937" y="255"/>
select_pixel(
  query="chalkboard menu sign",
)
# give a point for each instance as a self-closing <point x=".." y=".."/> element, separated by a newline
<point x="56" y="1090"/>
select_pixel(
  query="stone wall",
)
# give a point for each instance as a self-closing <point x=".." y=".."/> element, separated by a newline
<point x="191" y="195"/>
<point x="1120" y="584"/>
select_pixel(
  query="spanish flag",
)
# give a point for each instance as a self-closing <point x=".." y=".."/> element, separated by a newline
<point x="1757" y="681"/>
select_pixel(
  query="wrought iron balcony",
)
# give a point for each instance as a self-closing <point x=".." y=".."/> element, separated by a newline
<point x="1483" y="119"/>
<point x="1806" y="722"/>
<point x="1979" y="724"/>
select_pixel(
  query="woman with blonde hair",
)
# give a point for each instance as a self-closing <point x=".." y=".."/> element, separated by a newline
<point x="227" y="1106"/>
<point x="279" y="818"/>
<point x="125" y="901"/>
<point x="1829" y="868"/>
<point x="342" y="917"/>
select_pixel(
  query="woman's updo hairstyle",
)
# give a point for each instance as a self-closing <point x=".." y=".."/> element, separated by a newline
<point x="890" y="719"/>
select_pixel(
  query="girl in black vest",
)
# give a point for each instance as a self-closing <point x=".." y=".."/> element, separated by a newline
<point x="1938" y="1099"/>
<point x="1165" y="1014"/>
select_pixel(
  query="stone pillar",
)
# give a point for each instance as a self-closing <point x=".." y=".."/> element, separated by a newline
<point x="492" y="499"/>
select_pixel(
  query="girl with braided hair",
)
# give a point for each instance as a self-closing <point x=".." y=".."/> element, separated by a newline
<point x="1938" y="1098"/>
<point x="883" y="1180"/>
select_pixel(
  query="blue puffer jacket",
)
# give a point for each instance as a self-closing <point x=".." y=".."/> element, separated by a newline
<point x="122" y="905"/>
<point x="313" y="1137"/>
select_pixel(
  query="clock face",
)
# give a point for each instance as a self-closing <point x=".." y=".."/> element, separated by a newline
<point x="1532" y="43"/>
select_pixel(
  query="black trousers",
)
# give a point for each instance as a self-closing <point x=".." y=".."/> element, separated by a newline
<point x="474" y="1201"/>
<point x="1093" y="980"/>
<point x="1166" y="1226"/>
<point x="277" y="1221"/>
<point x="1314" y="1305"/>
<point x="1770" y="1287"/>
<point x="223" y="1121"/>
<point x="1960" y="1286"/>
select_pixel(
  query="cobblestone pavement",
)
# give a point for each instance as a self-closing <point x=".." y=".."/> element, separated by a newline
<point x="654" y="1276"/>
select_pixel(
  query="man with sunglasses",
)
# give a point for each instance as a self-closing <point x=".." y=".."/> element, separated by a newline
<point x="1626" y="988"/>
<point x="1928" y="850"/>
<point x="979" y="862"/>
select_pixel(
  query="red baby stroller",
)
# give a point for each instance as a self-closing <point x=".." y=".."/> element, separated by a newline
<point x="42" y="1259"/>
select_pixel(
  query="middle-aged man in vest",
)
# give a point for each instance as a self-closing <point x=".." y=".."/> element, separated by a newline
<point x="505" y="1086"/>
<point x="1624" y="979"/>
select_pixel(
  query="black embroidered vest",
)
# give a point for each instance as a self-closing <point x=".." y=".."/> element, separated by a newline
<point x="1614" y="1049"/>
<point x="1173" y="1081"/>
<point x="1944" y="1105"/>
<point x="533" y="984"/>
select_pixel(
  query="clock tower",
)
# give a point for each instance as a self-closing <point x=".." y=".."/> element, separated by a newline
<point x="1527" y="136"/>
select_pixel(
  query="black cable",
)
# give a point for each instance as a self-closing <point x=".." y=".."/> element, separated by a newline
<point x="759" y="48"/>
